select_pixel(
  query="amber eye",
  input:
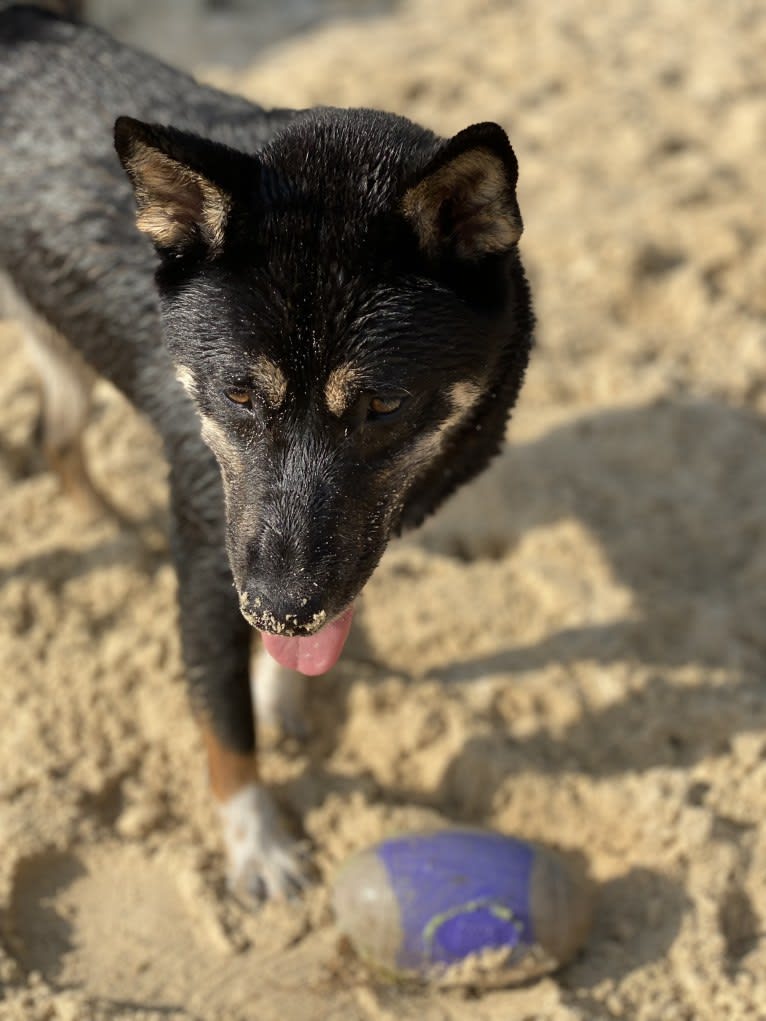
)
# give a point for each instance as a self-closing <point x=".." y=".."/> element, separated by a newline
<point x="379" y="407"/>
<point x="240" y="396"/>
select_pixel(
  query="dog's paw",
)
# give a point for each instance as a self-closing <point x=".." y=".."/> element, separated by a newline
<point x="263" y="860"/>
<point x="278" y="697"/>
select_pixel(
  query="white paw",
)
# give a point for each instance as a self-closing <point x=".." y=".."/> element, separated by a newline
<point x="263" y="861"/>
<point x="278" y="696"/>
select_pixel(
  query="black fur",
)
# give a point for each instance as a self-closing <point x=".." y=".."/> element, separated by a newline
<point x="318" y="267"/>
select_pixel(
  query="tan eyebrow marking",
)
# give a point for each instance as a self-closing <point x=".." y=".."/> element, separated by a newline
<point x="338" y="389"/>
<point x="268" y="376"/>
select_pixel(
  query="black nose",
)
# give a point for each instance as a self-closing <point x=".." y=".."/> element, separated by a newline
<point x="282" y="611"/>
<point x="288" y="575"/>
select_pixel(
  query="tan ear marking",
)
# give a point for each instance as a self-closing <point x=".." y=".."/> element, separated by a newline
<point x="474" y="190"/>
<point x="173" y="200"/>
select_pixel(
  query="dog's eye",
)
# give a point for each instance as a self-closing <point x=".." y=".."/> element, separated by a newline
<point x="382" y="407"/>
<point x="238" y="395"/>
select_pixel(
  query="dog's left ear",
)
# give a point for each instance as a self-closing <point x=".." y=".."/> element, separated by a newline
<point x="464" y="201"/>
<point x="183" y="184"/>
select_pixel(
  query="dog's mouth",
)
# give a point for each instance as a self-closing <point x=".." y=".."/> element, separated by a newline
<point x="311" y="654"/>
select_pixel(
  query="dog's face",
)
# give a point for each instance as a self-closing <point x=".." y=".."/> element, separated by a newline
<point x="348" y="312"/>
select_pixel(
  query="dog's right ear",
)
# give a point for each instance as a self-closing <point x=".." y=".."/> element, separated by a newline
<point x="184" y="185"/>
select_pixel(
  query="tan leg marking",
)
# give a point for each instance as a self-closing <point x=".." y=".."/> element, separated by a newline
<point x="229" y="771"/>
<point x="262" y="859"/>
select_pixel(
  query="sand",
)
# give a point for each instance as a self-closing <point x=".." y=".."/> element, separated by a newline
<point x="573" y="652"/>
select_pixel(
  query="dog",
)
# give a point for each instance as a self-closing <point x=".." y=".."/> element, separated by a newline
<point x="323" y="313"/>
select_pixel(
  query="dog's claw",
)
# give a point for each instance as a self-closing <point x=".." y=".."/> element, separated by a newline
<point x="264" y="861"/>
<point x="284" y="877"/>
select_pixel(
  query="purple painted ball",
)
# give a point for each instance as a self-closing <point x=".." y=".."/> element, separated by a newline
<point x="463" y="906"/>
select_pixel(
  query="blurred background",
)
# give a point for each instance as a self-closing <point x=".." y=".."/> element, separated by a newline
<point x="230" y="33"/>
<point x="573" y="651"/>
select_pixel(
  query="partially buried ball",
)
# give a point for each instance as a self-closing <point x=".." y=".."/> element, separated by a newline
<point x="461" y="906"/>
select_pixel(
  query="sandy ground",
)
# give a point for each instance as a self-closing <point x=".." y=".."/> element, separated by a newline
<point x="574" y="652"/>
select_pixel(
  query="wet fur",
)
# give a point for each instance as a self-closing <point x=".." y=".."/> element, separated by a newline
<point x="315" y="257"/>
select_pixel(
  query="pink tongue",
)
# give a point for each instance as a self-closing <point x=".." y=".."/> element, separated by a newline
<point x="314" y="654"/>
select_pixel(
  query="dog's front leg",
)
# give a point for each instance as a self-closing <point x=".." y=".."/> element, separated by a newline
<point x="263" y="861"/>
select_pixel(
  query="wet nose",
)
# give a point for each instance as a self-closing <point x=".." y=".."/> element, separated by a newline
<point x="278" y="595"/>
<point x="282" y="611"/>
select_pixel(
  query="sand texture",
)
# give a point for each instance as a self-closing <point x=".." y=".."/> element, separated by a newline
<point x="574" y="652"/>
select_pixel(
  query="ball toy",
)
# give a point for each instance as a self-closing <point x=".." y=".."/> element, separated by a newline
<point x="461" y="906"/>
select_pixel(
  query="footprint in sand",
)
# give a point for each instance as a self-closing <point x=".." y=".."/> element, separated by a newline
<point x="120" y="927"/>
<point x="111" y="922"/>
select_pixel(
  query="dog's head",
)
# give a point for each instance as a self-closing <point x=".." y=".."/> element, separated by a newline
<point x="348" y="311"/>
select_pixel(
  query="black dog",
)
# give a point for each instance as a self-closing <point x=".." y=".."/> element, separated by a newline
<point x="339" y="293"/>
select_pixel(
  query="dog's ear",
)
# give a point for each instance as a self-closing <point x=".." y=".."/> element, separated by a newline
<point x="463" y="203"/>
<point x="184" y="185"/>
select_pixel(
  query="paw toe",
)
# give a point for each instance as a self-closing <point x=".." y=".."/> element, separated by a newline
<point x="264" y="862"/>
